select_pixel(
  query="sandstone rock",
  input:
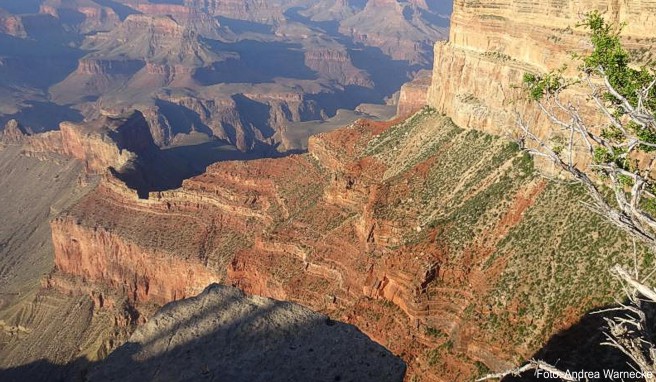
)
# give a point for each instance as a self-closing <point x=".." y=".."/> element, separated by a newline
<point x="11" y="25"/>
<point x="477" y="75"/>
<point x="107" y="142"/>
<point x="370" y="217"/>
<point x="413" y="95"/>
<point x="225" y="335"/>
<point x="13" y="132"/>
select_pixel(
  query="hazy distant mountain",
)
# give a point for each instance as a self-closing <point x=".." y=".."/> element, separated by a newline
<point x="235" y="70"/>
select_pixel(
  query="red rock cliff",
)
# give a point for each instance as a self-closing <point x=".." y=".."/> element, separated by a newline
<point x="411" y="232"/>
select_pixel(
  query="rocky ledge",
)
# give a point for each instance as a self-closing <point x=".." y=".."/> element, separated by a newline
<point x="224" y="335"/>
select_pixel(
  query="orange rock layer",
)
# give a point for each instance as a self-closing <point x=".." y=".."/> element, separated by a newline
<point x="347" y="229"/>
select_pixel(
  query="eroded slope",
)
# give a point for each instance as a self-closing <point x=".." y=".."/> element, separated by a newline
<point x="440" y="243"/>
<point x="223" y="334"/>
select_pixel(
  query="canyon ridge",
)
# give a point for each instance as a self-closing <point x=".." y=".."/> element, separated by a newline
<point x="172" y="209"/>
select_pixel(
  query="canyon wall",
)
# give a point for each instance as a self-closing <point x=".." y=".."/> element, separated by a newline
<point x="107" y="142"/>
<point x="418" y="232"/>
<point x="478" y="72"/>
<point x="414" y="95"/>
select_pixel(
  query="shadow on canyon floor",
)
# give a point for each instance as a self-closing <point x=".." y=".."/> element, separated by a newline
<point x="244" y="26"/>
<point x="43" y="116"/>
<point x="166" y="169"/>
<point x="21" y="6"/>
<point x="232" y="339"/>
<point x="285" y="60"/>
<point x="579" y="348"/>
<point x="123" y="11"/>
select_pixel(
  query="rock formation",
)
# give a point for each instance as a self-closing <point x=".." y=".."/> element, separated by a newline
<point x="227" y="335"/>
<point x="11" y="25"/>
<point x="414" y="95"/>
<point x="108" y="142"/>
<point x="13" y="132"/>
<point x="419" y="233"/>
<point x="478" y="72"/>
<point x="186" y="65"/>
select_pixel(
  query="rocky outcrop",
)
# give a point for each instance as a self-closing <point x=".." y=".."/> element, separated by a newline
<point x="98" y="256"/>
<point x="13" y="133"/>
<point x="11" y="25"/>
<point x="230" y="336"/>
<point x="478" y="72"/>
<point x="96" y="67"/>
<point x="414" y="95"/>
<point x="107" y="142"/>
<point x="85" y="15"/>
<point x="416" y="231"/>
<point x="336" y="64"/>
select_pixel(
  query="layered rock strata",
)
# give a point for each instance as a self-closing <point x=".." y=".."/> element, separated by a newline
<point x="414" y="95"/>
<point x="477" y="75"/>
<point x="427" y="237"/>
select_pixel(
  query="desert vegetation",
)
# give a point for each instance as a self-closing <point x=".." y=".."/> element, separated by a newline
<point x="610" y="154"/>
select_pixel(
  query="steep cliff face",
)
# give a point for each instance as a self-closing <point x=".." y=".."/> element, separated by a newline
<point x="397" y="28"/>
<point x="414" y="95"/>
<point x="336" y="64"/>
<point x="477" y="73"/>
<point x="427" y="237"/>
<point x="107" y="142"/>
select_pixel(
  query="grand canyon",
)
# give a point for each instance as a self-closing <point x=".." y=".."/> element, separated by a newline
<point x="295" y="190"/>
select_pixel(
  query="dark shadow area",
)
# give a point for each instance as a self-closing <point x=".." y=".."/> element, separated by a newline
<point x="379" y="66"/>
<point x="121" y="10"/>
<point x="70" y="16"/>
<point x="223" y="335"/>
<point x="579" y="348"/>
<point x="349" y="99"/>
<point x="166" y="169"/>
<point x="44" y="370"/>
<point x="36" y="63"/>
<point x="54" y="33"/>
<point x="21" y="6"/>
<point x="43" y="116"/>
<point x="244" y="26"/>
<point x="181" y="119"/>
<point x="259" y="62"/>
<point x="329" y="27"/>
<point x="254" y="113"/>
